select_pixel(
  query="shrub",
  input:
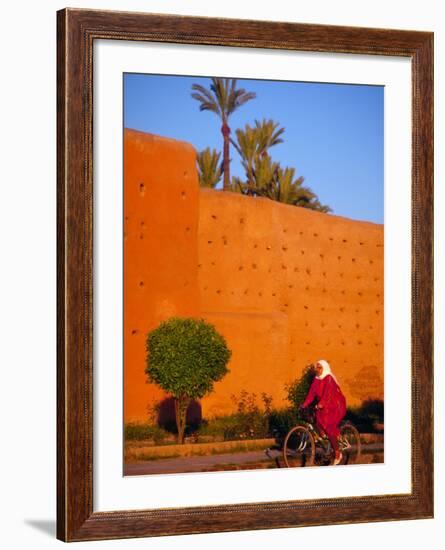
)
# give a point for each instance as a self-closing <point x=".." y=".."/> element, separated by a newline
<point x="139" y="432"/>
<point x="250" y="421"/>
<point x="281" y="421"/>
<point x="366" y="416"/>
<point x="298" y="389"/>
<point x="186" y="357"/>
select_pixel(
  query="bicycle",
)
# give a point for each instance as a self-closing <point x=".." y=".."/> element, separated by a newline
<point x="305" y="446"/>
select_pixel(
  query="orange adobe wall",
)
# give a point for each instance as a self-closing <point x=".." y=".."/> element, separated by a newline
<point x="161" y="202"/>
<point x="284" y="285"/>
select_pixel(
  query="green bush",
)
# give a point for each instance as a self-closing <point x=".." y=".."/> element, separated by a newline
<point x="186" y="357"/>
<point x="366" y="416"/>
<point x="139" y="432"/>
<point x="298" y="389"/>
<point x="250" y="421"/>
<point x="281" y="421"/>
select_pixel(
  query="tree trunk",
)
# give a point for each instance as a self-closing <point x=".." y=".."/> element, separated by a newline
<point x="181" y="406"/>
<point x="226" y="155"/>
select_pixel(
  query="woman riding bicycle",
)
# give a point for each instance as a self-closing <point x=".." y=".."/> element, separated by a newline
<point x="330" y="408"/>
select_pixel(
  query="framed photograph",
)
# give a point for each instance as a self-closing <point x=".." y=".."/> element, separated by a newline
<point x="245" y="228"/>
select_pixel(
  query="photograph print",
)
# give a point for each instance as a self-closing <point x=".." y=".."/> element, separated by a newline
<point x="253" y="274"/>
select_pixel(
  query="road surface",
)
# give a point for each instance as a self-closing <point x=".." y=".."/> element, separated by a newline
<point x="229" y="461"/>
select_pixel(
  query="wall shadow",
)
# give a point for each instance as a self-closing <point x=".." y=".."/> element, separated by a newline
<point x="166" y="415"/>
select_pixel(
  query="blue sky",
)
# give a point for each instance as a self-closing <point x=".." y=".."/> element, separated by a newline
<point x="333" y="132"/>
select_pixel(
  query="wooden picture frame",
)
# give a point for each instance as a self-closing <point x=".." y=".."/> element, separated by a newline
<point x="77" y="31"/>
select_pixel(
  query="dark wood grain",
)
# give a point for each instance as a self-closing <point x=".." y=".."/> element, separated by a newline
<point x="76" y="31"/>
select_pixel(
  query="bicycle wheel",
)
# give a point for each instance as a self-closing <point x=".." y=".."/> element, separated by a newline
<point x="350" y="444"/>
<point x="299" y="448"/>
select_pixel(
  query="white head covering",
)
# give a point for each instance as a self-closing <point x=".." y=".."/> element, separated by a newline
<point x="326" y="370"/>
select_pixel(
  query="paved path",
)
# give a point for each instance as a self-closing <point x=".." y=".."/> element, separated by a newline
<point x="212" y="462"/>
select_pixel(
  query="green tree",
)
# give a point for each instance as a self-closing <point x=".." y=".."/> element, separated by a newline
<point x="223" y="98"/>
<point x="209" y="167"/>
<point x="186" y="357"/>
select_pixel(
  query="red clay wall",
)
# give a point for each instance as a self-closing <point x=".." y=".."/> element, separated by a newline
<point x="285" y="285"/>
<point x="161" y="202"/>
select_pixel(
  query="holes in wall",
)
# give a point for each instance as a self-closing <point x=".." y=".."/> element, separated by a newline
<point x="240" y="268"/>
<point x="187" y="229"/>
<point x="142" y="189"/>
<point x="141" y="284"/>
<point x="284" y="248"/>
<point x="283" y="266"/>
<point x="209" y="242"/>
<point x="218" y="291"/>
<point x="241" y="220"/>
<point x="141" y="236"/>
<point x="254" y="266"/>
<point x="134" y="332"/>
<point x="183" y="195"/>
<point x="214" y="217"/>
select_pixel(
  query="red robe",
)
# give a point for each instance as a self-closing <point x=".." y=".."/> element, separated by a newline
<point x="332" y="404"/>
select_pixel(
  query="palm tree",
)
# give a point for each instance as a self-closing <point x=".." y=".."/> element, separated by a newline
<point x="252" y="143"/>
<point x="209" y="167"/>
<point x="223" y="99"/>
